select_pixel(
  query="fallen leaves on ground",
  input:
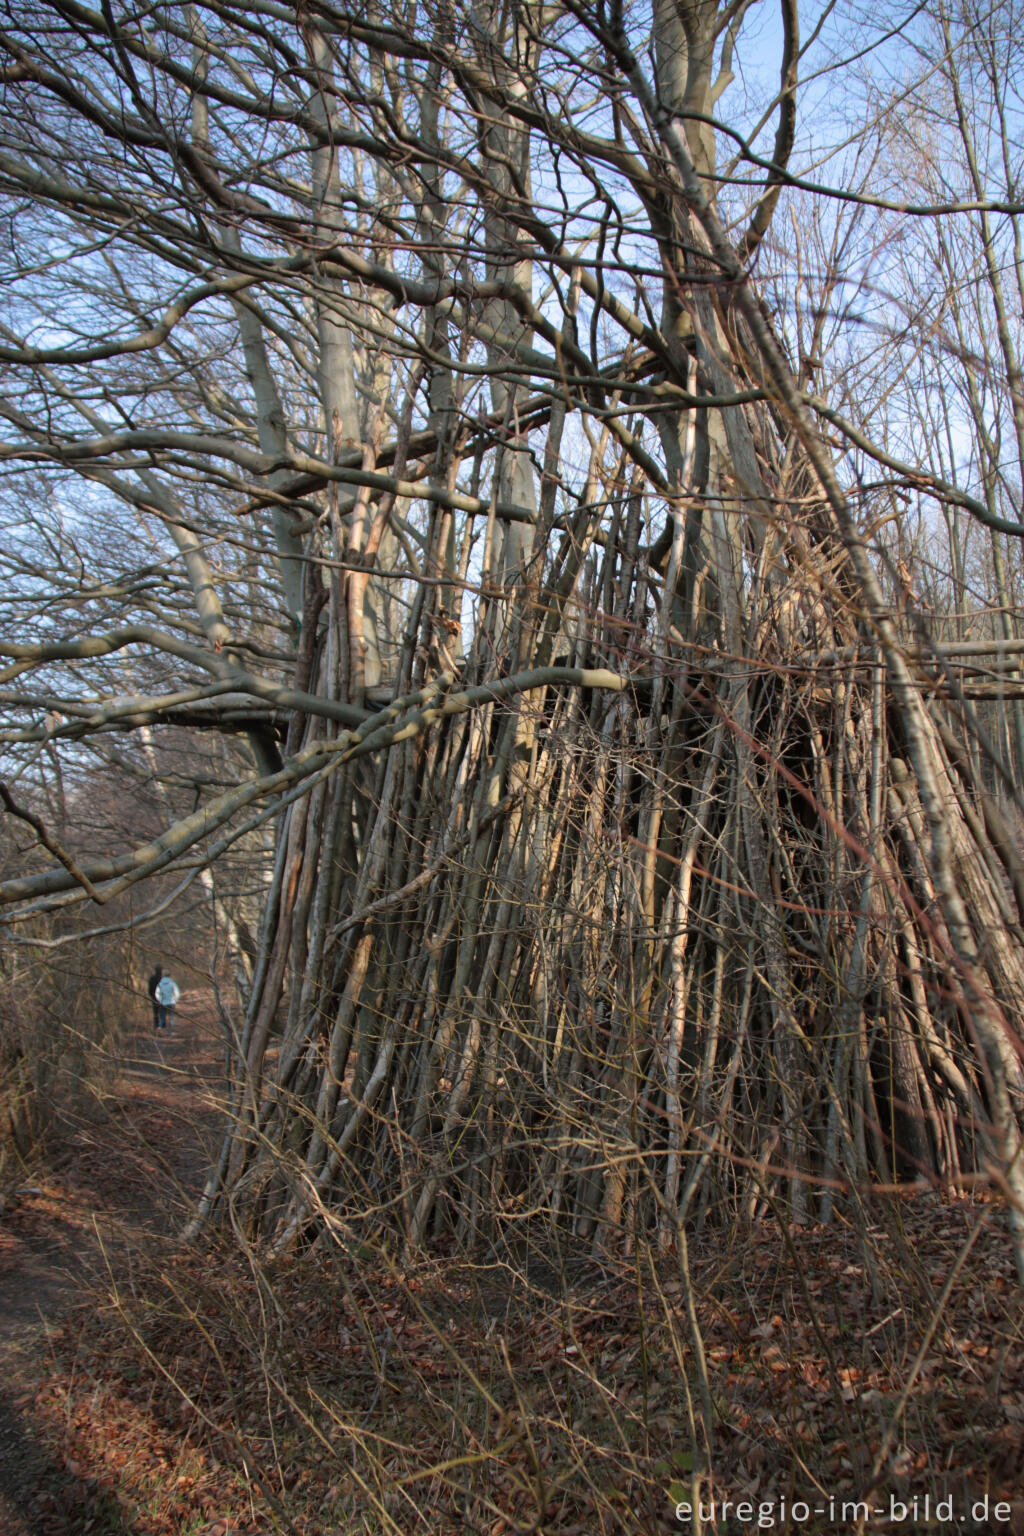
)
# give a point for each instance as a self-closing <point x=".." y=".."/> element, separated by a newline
<point x="336" y="1393"/>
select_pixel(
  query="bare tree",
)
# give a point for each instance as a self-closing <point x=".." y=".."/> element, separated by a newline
<point x="629" y="859"/>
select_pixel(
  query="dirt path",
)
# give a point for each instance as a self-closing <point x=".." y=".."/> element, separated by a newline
<point x="124" y="1175"/>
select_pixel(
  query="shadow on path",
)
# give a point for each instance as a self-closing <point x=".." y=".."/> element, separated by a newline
<point x="126" y="1172"/>
<point x="41" y="1494"/>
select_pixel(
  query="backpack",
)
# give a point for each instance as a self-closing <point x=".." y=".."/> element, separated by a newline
<point x="167" y="993"/>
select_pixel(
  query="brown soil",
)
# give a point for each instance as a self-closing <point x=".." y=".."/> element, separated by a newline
<point x="123" y="1176"/>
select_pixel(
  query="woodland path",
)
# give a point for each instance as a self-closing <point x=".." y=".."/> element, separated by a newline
<point x="123" y="1176"/>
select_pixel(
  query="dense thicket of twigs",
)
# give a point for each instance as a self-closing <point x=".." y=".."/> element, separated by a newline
<point x="638" y="855"/>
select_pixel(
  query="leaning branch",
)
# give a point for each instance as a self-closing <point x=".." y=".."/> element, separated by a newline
<point x="143" y="341"/>
<point x="49" y="842"/>
<point x="929" y="484"/>
<point x="404" y="719"/>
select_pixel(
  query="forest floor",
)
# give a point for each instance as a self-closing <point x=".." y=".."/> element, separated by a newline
<point x="115" y="1185"/>
<point x="153" y="1389"/>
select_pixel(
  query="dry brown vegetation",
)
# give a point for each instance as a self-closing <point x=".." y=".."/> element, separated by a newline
<point x="341" y="1393"/>
<point x="195" y="1389"/>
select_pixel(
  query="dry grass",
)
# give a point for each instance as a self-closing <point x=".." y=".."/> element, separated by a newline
<point x="339" y="1393"/>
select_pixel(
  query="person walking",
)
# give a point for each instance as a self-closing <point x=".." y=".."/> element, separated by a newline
<point x="167" y="995"/>
<point x="152" y="984"/>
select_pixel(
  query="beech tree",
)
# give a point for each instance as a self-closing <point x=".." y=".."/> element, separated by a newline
<point x="395" y="395"/>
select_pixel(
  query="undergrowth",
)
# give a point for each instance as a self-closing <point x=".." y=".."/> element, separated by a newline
<point x="340" y="1391"/>
<point x="59" y="1033"/>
